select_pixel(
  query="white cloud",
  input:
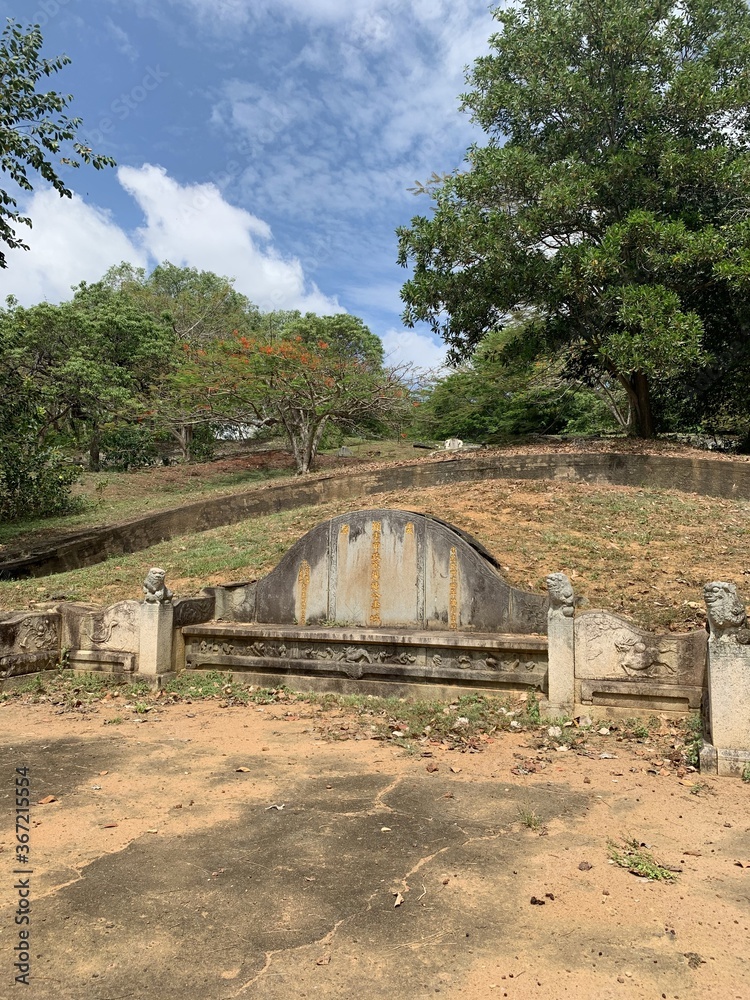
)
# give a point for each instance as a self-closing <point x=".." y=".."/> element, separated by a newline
<point x="70" y="242"/>
<point x="190" y="225"/>
<point x="412" y="347"/>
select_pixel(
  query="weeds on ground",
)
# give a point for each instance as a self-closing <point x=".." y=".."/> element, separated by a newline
<point x="469" y="720"/>
<point x="634" y="857"/>
<point x="196" y="686"/>
<point x="529" y="818"/>
<point x="693" y="727"/>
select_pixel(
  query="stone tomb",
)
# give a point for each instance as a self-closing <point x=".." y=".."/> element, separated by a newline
<point x="378" y="600"/>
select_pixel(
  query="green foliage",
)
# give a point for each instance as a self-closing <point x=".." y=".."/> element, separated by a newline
<point x="496" y="396"/>
<point x="128" y="446"/>
<point x="693" y="740"/>
<point x="34" y="126"/>
<point x="608" y="206"/>
<point x="635" y="858"/>
<point x="529" y="818"/>
<point x="317" y="371"/>
<point x="202" y="443"/>
<point x="35" y="479"/>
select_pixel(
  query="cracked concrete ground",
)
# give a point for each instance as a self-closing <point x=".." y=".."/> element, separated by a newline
<point x="211" y="853"/>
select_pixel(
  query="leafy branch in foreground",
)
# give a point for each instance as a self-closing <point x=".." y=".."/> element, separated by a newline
<point x="34" y="126"/>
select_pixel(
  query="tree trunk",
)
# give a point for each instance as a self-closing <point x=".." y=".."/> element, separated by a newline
<point x="305" y="438"/>
<point x="183" y="434"/>
<point x="643" y="419"/>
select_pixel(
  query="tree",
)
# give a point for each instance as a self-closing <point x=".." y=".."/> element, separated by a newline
<point x="494" y="396"/>
<point x="608" y="206"/>
<point x="34" y="126"/>
<point x="83" y="364"/>
<point x="316" y="371"/>
<point x="198" y="307"/>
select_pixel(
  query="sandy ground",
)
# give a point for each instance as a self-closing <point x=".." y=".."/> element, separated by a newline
<point x="210" y="852"/>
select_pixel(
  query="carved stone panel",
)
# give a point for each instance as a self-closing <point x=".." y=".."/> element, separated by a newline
<point x="116" y="627"/>
<point x="30" y="633"/>
<point x="369" y="655"/>
<point x="608" y="646"/>
<point x="193" y="610"/>
<point x="382" y="567"/>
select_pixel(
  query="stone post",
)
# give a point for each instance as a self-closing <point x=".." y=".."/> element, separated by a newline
<point x="561" y="649"/>
<point x="157" y="613"/>
<point x="728" y="752"/>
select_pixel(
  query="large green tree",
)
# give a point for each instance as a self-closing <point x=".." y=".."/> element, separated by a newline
<point x="198" y="307"/>
<point x="609" y="203"/>
<point x="36" y="133"/>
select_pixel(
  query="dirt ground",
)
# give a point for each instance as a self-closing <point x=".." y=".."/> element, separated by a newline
<point x="207" y="852"/>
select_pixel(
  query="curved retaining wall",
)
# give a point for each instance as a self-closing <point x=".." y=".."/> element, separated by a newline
<point x="708" y="477"/>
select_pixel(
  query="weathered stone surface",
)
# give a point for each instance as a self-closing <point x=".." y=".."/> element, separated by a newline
<point x="561" y="638"/>
<point x="629" y="669"/>
<point x="374" y="658"/>
<point x="155" y="650"/>
<point x="29" y="642"/>
<point x="728" y="669"/>
<point x="390" y="567"/>
<point x="108" y="660"/>
<point x="724" y="763"/>
<point x="114" y="628"/>
<point x="608" y="646"/>
<point x="28" y="632"/>
<point x="194" y="610"/>
<point x="155" y="589"/>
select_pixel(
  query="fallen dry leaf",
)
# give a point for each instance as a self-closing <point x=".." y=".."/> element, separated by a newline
<point x="109" y="826"/>
<point x="47" y="799"/>
<point x="456" y="770"/>
<point x="399" y="900"/>
<point x="243" y="769"/>
<point x="324" y="960"/>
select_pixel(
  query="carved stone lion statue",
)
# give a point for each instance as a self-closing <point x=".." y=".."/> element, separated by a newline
<point x="726" y="612"/>
<point x="561" y="596"/>
<point x="155" y="589"/>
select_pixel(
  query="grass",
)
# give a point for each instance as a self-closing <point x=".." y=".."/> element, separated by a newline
<point x="635" y="858"/>
<point x="643" y="553"/>
<point x="469" y="723"/>
<point x="529" y="818"/>
<point x="116" y="496"/>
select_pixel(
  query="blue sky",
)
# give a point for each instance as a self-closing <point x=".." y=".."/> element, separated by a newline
<point x="272" y="141"/>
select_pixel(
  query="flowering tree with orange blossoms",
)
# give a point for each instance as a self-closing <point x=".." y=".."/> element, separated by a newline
<point x="319" y="370"/>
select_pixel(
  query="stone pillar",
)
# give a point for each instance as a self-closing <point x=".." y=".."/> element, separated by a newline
<point x="728" y="752"/>
<point x="157" y="614"/>
<point x="561" y="649"/>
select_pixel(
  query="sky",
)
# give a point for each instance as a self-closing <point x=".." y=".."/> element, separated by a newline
<point x="271" y="141"/>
